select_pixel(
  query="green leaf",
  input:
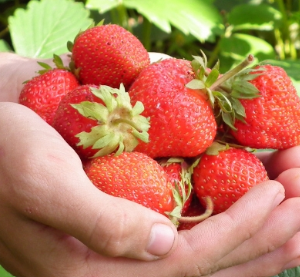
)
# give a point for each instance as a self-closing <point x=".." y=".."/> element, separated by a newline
<point x="102" y="6"/>
<point x="293" y="272"/>
<point x="92" y="110"/>
<point x="238" y="46"/>
<point x="244" y="90"/>
<point x="4" y="273"/>
<point x="195" y="84"/>
<point x="212" y="77"/>
<point x="89" y="139"/>
<point x="215" y="148"/>
<point x="4" y="46"/>
<point x="228" y="119"/>
<point x="238" y="107"/>
<point x="45" y="27"/>
<point x="254" y="17"/>
<point x="198" y="18"/>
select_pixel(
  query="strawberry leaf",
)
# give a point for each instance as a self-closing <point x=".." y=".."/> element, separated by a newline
<point x="215" y="148"/>
<point x="229" y="120"/>
<point x="50" y="36"/>
<point x="199" y="18"/>
<point x="92" y="110"/>
<point x="196" y="84"/>
<point x="238" y="107"/>
<point x="292" y="272"/>
<point x="242" y="89"/>
<point x="212" y="77"/>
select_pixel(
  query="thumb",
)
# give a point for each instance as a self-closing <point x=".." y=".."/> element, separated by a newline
<point x="114" y="226"/>
<point x="50" y="187"/>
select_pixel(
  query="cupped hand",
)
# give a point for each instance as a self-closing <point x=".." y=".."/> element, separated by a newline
<point x="54" y="222"/>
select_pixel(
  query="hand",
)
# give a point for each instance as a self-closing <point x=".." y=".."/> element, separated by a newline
<point x="55" y="222"/>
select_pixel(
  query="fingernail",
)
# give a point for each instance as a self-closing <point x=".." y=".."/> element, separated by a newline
<point x="162" y="238"/>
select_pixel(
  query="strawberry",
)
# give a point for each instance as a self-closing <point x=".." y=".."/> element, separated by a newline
<point x="226" y="174"/>
<point x="97" y="121"/>
<point x="133" y="176"/>
<point x="182" y="122"/>
<point x="108" y="55"/>
<point x="272" y="120"/>
<point x="43" y="92"/>
<point x="180" y="176"/>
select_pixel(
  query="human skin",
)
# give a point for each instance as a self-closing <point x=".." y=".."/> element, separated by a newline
<point x="54" y="222"/>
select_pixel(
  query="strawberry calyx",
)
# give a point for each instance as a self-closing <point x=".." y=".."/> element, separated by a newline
<point x="182" y="192"/>
<point x="58" y="64"/>
<point x="219" y="145"/>
<point x="225" y="91"/>
<point x="119" y="127"/>
<point x="46" y="67"/>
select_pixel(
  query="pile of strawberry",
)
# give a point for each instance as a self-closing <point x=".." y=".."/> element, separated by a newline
<point x="173" y="135"/>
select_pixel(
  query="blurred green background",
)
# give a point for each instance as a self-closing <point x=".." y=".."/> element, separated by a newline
<point x="226" y="31"/>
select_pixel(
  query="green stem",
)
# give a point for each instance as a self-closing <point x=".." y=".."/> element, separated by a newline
<point x="208" y="212"/>
<point x="280" y="43"/>
<point x="123" y="17"/>
<point x="286" y="38"/>
<point x="4" y="32"/>
<point x="114" y="16"/>
<point x="233" y="72"/>
<point x="213" y="57"/>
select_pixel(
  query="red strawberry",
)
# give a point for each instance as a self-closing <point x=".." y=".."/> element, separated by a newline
<point x="108" y="55"/>
<point x="182" y="122"/>
<point x="98" y="121"/>
<point x="273" y="119"/>
<point x="226" y="175"/>
<point x="43" y="93"/>
<point x="134" y="176"/>
<point x="180" y="176"/>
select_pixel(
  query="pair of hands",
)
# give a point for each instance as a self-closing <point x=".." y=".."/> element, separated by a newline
<point x="54" y="222"/>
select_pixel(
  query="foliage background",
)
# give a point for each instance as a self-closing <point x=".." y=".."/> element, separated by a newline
<point x="227" y="31"/>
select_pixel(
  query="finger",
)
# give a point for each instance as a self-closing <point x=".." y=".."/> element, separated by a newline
<point x="47" y="184"/>
<point x="15" y="70"/>
<point x="219" y="235"/>
<point x="279" y="161"/>
<point x="282" y="224"/>
<point x="290" y="179"/>
<point x="270" y="264"/>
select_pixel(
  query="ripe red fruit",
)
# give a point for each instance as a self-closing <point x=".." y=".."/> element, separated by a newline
<point x="227" y="176"/>
<point x="99" y="121"/>
<point x="108" y="55"/>
<point x="273" y="119"/>
<point x="180" y="177"/>
<point x="43" y="93"/>
<point x="182" y="122"/>
<point x="133" y="176"/>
